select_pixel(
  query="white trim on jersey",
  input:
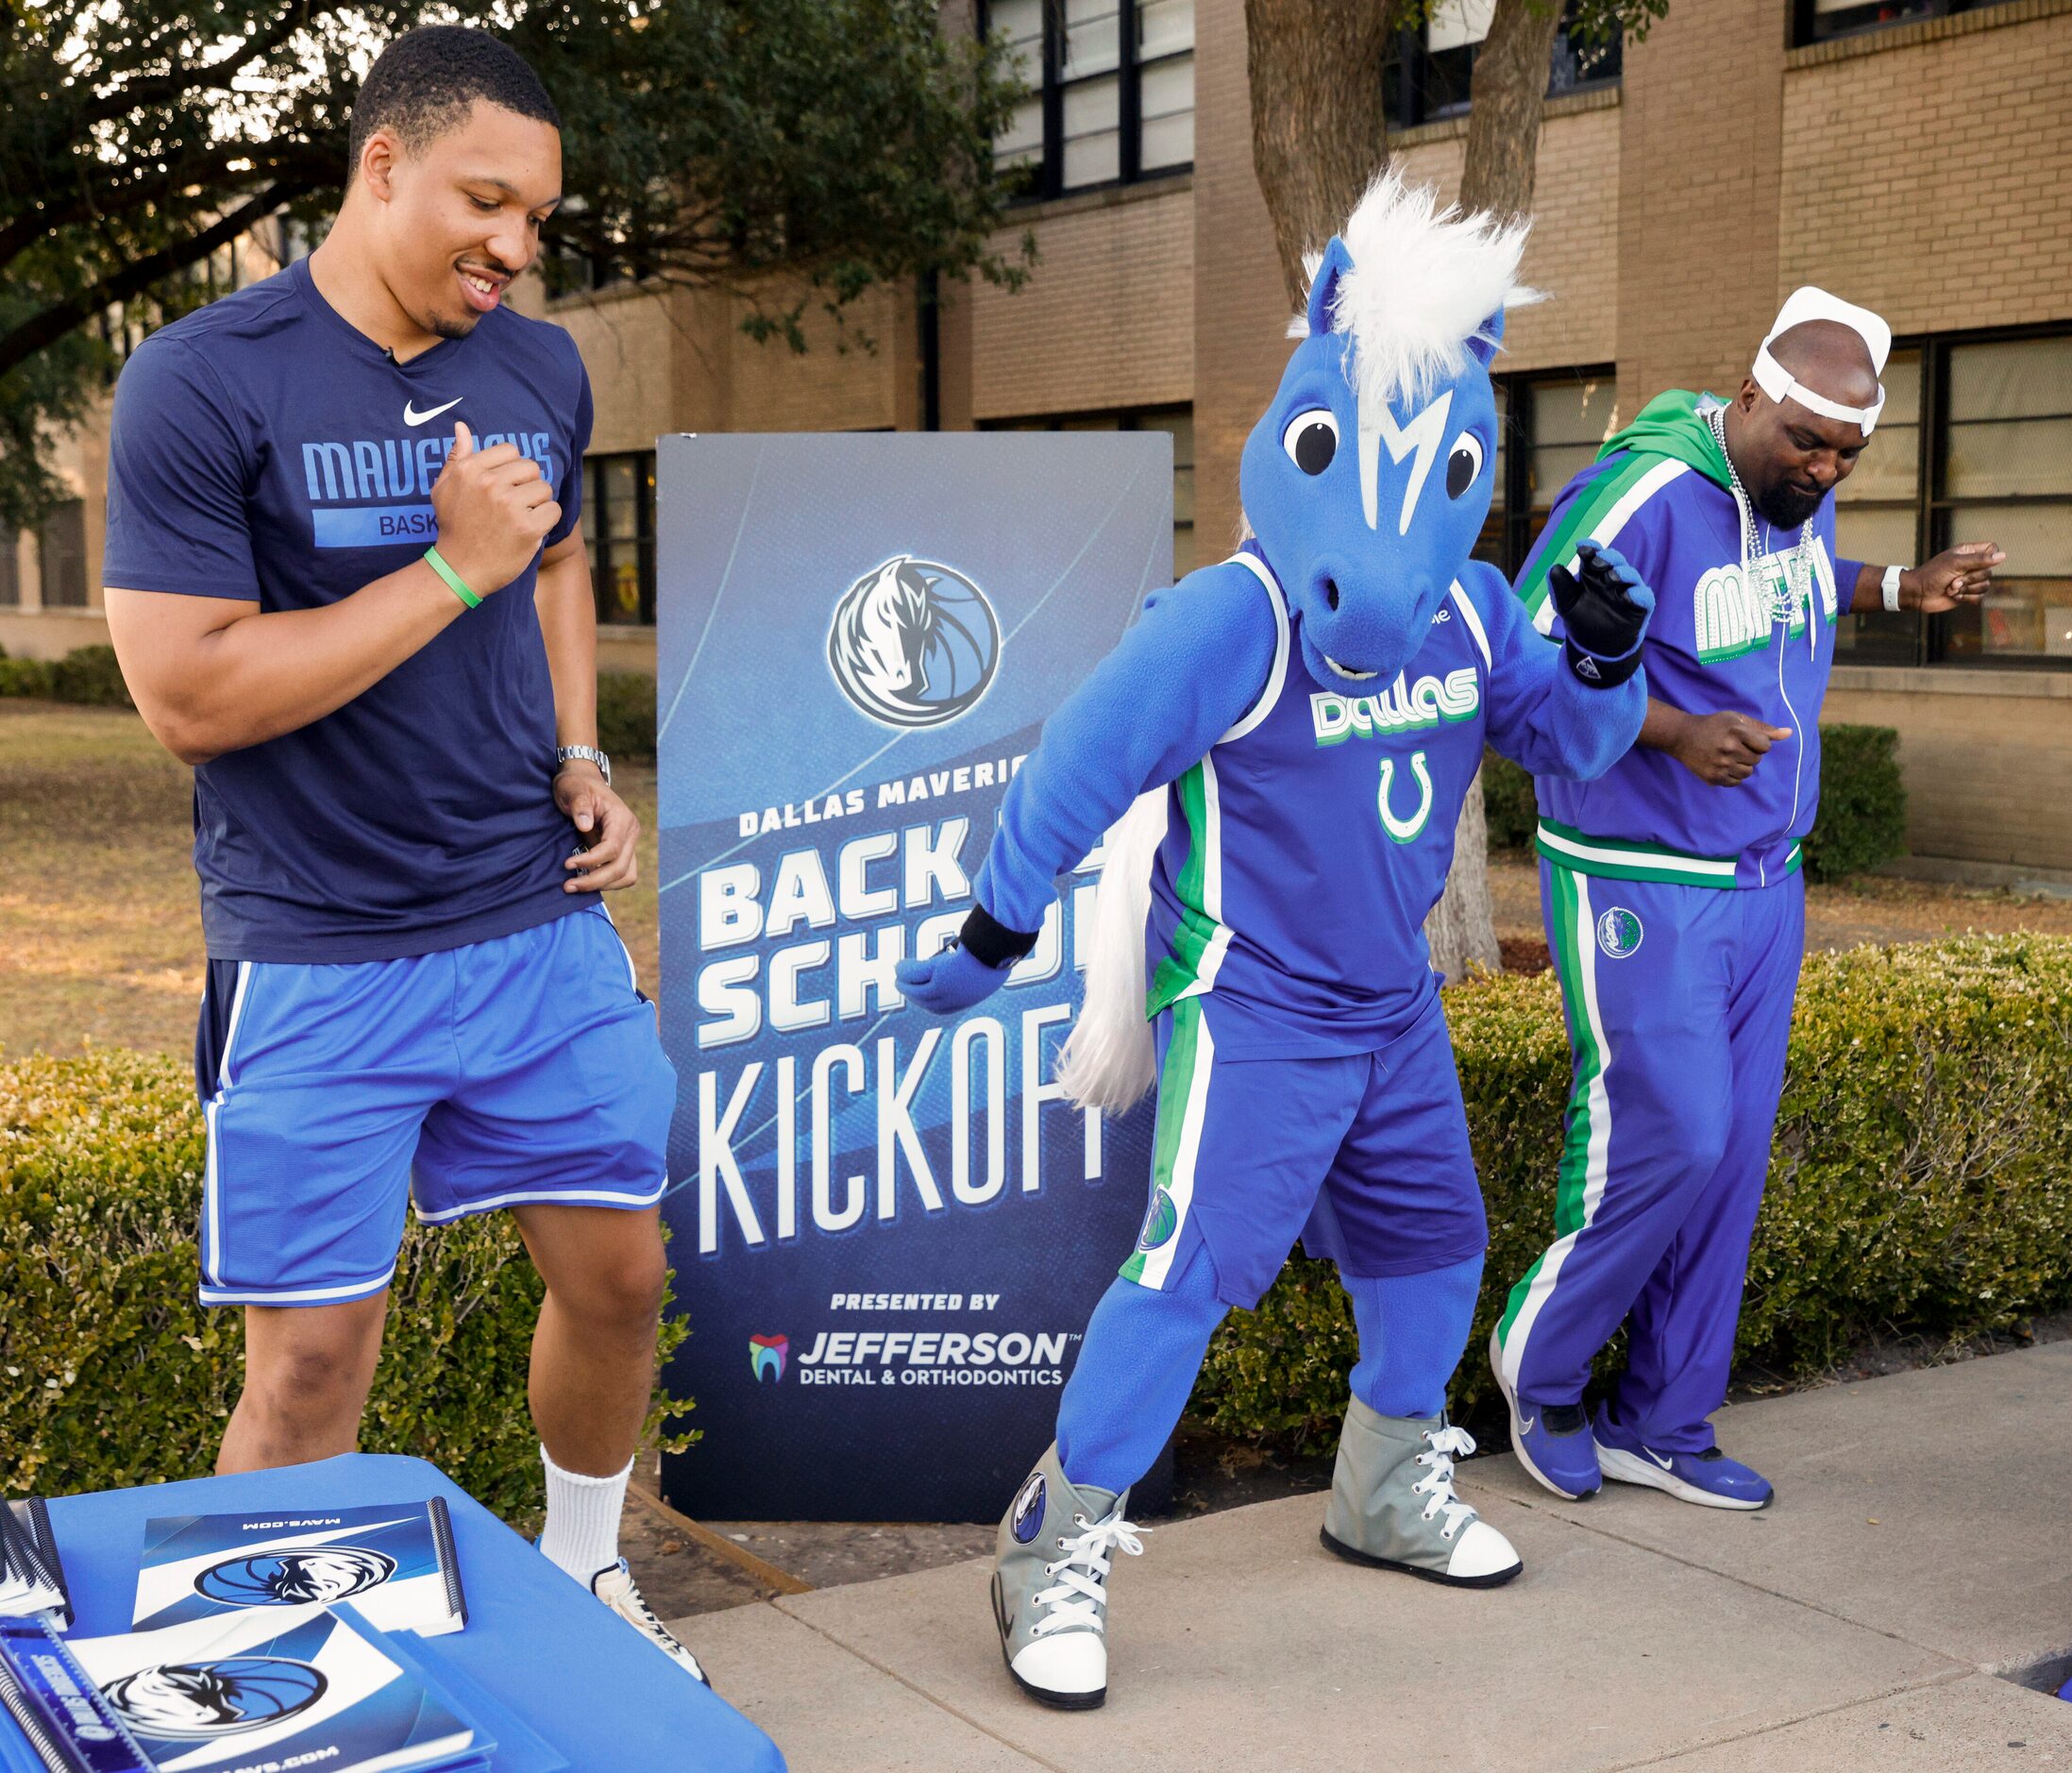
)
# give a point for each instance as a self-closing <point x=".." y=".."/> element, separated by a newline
<point x="1609" y="526"/>
<point x="1159" y="1262"/>
<point x="552" y="1197"/>
<point x="1276" y="679"/>
<point x="1472" y="616"/>
<point x="211" y="1173"/>
<point x="302" y="1296"/>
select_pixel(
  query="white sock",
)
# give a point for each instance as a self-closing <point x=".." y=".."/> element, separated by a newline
<point x="583" y="1513"/>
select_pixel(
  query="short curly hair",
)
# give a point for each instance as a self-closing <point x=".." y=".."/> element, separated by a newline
<point x="428" y="80"/>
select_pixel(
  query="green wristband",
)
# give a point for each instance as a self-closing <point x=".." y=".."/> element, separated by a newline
<point x="454" y="581"/>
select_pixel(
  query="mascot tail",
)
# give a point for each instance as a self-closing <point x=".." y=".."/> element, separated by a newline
<point x="1108" y="1060"/>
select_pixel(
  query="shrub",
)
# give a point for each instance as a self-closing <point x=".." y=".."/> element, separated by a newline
<point x="1508" y="807"/>
<point x="1921" y="1176"/>
<point x="24" y="677"/>
<point x="90" y="675"/>
<point x="626" y="715"/>
<point x="1862" y="818"/>
<point x="111" y="1373"/>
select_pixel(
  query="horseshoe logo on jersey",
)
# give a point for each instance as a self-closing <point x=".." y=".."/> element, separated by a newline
<point x="1403" y="830"/>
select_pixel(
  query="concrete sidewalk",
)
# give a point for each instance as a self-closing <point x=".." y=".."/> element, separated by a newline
<point x="1920" y="1550"/>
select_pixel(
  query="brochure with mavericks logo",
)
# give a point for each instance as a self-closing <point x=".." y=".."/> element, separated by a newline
<point x="286" y="1687"/>
<point x="396" y="1565"/>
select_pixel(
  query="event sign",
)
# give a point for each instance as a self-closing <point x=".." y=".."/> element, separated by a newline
<point x="888" y="1229"/>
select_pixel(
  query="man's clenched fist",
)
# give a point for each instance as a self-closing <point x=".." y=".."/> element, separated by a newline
<point x="495" y="508"/>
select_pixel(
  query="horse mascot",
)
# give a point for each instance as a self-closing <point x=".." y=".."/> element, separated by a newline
<point x="1281" y="745"/>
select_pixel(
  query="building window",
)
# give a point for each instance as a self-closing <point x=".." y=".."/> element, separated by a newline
<point x="1878" y="517"/>
<point x="1428" y="73"/>
<point x="1549" y="429"/>
<point x="61" y="550"/>
<point x="1815" y="21"/>
<point x="1110" y="91"/>
<point x="618" y="501"/>
<point x="11" y="568"/>
<point x="1178" y="423"/>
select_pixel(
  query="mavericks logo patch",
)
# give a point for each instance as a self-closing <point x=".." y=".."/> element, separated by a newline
<point x="287" y="1579"/>
<point x="198" y="1702"/>
<point x="1028" y="1514"/>
<point x="1160" y="1223"/>
<point x="914" y="643"/>
<point x="1619" y="933"/>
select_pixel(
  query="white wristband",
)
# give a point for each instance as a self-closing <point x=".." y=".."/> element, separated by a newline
<point x="1891" y="587"/>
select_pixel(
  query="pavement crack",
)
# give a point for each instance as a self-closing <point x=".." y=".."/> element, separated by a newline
<point x="1941" y="1678"/>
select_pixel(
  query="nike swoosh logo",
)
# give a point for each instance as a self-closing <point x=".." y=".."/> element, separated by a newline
<point x="412" y="417"/>
<point x="1656" y="1458"/>
<point x="1525" y="1427"/>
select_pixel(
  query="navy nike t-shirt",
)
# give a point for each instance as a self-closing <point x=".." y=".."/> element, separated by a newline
<point x="262" y="448"/>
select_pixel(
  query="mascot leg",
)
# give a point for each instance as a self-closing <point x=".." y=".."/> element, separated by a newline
<point x="1393" y="1502"/>
<point x="1136" y="1366"/>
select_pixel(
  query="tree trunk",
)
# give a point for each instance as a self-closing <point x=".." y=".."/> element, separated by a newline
<point x="1318" y="135"/>
<point x="1508" y="94"/>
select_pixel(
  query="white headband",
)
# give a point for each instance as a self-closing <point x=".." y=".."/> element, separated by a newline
<point x="1809" y="303"/>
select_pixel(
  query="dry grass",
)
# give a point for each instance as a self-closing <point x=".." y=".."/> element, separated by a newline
<point x="100" y="921"/>
<point x="100" y="927"/>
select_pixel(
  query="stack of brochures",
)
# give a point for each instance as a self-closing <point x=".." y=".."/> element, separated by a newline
<point x="263" y="1643"/>
<point x="32" y="1579"/>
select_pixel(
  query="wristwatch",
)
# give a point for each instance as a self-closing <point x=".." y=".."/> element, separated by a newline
<point x="1889" y="584"/>
<point x="588" y="754"/>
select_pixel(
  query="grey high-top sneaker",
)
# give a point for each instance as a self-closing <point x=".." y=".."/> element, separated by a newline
<point x="1393" y="1506"/>
<point x="1050" y="1585"/>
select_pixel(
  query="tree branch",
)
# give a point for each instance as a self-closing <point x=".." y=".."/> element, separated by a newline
<point x="47" y="327"/>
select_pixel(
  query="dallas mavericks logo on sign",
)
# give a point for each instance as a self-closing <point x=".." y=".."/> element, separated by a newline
<point x="1618" y="932"/>
<point x="198" y="1702"/>
<point x="1028" y="1515"/>
<point x="287" y="1579"/>
<point x="914" y="643"/>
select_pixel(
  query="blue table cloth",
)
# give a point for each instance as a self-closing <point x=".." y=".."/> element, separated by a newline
<point x="583" y="1680"/>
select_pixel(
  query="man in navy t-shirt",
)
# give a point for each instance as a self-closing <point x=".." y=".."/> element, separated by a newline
<point x="346" y="583"/>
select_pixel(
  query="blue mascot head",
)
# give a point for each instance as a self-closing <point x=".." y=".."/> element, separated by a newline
<point x="1368" y="478"/>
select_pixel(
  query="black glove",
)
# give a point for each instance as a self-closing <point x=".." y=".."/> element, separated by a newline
<point x="1604" y="611"/>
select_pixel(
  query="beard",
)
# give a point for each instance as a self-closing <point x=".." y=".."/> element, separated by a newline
<point x="1785" y="508"/>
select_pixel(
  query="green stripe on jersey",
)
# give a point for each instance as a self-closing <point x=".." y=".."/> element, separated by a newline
<point x="1576" y="522"/>
<point x="1617" y="859"/>
<point x="1176" y="1083"/>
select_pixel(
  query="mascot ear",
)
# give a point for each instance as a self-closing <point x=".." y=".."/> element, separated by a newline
<point x="1324" y="287"/>
<point x="1488" y="336"/>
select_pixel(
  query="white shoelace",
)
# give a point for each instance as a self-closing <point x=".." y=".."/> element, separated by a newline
<point x="1447" y="1443"/>
<point x="1076" y="1599"/>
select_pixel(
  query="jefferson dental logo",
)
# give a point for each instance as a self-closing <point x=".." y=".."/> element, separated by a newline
<point x="914" y="643"/>
<point x="766" y="1355"/>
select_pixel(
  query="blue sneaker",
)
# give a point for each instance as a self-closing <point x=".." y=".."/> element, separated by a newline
<point x="1552" y="1440"/>
<point x="1709" y="1478"/>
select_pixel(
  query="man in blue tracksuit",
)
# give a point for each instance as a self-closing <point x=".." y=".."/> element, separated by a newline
<point x="1674" y="907"/>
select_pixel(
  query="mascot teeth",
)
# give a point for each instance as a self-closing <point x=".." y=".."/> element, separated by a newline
<point x="1350" y="677"/>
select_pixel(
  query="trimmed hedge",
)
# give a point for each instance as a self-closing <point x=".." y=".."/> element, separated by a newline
<point x="24" y="677"/>
<point x="626" y="715"/>
<point x="111" y="1373"/>
<point x="86" y="674"/>
<point x="1921" y="1179"/>
<point x="1862" y="817"/>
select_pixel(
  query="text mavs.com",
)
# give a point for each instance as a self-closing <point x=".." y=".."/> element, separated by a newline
<point x="932" y="1358"/>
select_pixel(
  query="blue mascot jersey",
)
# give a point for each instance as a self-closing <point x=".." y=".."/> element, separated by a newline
<point x="1308" y="830"/>
<point x="1754" y="636"/>
<point x="265" y="449"/>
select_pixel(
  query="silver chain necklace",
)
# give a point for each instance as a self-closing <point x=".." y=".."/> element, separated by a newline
<point x="1784" y="597"/>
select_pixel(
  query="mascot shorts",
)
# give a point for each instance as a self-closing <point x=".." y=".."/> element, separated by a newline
<point x="1364" y="1156"/>
<point x="524" y="1069"/>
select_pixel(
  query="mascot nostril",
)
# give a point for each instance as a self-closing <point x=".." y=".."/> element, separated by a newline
<point x="1331" y="592"/>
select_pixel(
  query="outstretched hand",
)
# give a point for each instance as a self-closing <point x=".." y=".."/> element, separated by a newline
<point x="1958" y="575"/>
<point x="949" y="982"/>
<point x="1604" y="610"/>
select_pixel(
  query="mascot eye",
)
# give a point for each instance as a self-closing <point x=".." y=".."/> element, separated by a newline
<point x="1312" y="439"/>
<point x="1463" y="464"/>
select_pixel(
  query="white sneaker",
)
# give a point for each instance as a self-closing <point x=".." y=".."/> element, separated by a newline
<point x="615" y="1588"/>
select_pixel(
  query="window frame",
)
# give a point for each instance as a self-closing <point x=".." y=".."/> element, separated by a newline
<point x="1046" y="179"/>
<point x="1409" y="68"/>
<point x="601" y="546"/>
<point x="1804" y="16"/>
<point x="1515" y="388"/>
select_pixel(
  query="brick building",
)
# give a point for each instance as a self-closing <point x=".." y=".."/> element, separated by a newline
<point x="1911" y="154"/>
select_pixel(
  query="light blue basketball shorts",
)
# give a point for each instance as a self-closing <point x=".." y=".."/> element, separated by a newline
<point x="523" y="1069"/>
